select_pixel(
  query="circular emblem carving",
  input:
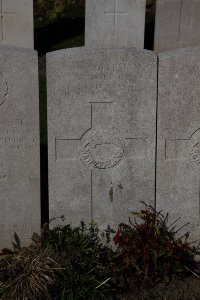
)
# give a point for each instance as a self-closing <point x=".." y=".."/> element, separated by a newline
<point x="195" y="147"/>
<point x="103" y="150"/>
<point x="3" y="89"/>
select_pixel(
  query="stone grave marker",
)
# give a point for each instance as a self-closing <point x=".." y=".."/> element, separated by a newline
<point x="177" y="24"/>
<point x="102" y="128"/>
<point x="16" y="23"/>
<point x="178" y="164"/>
<point x="19" y="145"/>
<point x="115" y="23"/>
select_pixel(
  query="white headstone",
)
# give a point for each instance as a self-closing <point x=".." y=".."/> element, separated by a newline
<point x="178" y="164"/>
<point x="16" y="23"/>
<point x="19" y="145"/>
<point x="115" y="23"/>
<point x="177" y="24"/>
<point x="102" y="128"/>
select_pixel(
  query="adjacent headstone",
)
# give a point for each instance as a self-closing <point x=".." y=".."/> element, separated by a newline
<point x="19" y="145"/>
<point x="178" y="163"/>
<point x="115" y="23"/>
<point x="102" y="128"/>
<point x="177" y="24"/>
<point x="16" y="23"/>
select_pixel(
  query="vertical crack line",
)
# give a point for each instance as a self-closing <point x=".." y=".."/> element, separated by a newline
<point x="1" y="8"/>
<point x="156" y="140"/>
<point x="199" y="200"/>
<point x="115" y="17"/>
<point x="113" y="198"/>
<point x="91" y="193"/>
<point x="180" y="18"/>
<point x="91" y="125"/>
<point x="165" y="149"/>
<point x="56" y="149"/>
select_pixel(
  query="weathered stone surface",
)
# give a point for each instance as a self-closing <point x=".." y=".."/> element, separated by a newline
<point x="177" y="24"/>
<point x="16" y="23"/>
<point x="102" y="128"/>
<point x="19" y="145"/>
<point x="115" y="23"/>
<point x="178" y="164"/>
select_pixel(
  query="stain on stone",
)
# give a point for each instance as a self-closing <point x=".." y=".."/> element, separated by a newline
<point x="3" y="178"/>
<point x="111" y="193"/>
<point x="120" y="186"/>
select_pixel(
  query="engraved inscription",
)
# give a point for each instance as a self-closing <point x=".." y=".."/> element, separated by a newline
<point x="3" y="89"/>
<point x="102" y="151"/>
<point x="98" y="73"/>
<point x="97" y="84"/>
<point x="16" y="122"/>
<point x="17" y="143"/>
<point x="12" y="127"/>
<point x="97" y="65"/>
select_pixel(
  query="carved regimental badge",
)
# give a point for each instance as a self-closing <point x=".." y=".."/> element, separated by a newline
<point x="3" y="89"/>
<point x="195" y="147"/>
<point x="103" y="150"/>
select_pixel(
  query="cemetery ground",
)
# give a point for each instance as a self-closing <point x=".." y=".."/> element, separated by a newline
<point x="65" y="263"/>
<point x="148" y="262"/>
<point x="185" y="286"/>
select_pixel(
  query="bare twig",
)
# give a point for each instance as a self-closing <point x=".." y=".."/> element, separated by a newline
<point x="192" y="272"/>
<point x="102" y="283"/>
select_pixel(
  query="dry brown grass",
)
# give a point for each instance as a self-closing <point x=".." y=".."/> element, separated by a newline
<point x="27" y="275"/>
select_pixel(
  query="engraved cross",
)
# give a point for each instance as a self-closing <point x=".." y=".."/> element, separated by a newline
<point x="100" y="148"/>
<point x="3" y="15"/>
<point x="182" y="150"/>
<point x="115" y="13"/>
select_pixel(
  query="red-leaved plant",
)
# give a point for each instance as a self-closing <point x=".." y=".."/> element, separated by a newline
<point x="148" y="252"/>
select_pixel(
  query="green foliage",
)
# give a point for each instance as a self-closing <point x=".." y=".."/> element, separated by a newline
<point x="148" y="252"/>
<point x="62" y="263"/>
<point x="50" y="11"/>
<point x="83" y="262"/>
<point x="73" y="264"/>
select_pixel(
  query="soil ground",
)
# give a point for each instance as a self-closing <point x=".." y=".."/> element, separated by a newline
<point x="188" y="289"/>
<point x="178" y="289"/>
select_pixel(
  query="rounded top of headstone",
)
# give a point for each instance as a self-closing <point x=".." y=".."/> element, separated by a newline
<point x="87" y="51"/>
